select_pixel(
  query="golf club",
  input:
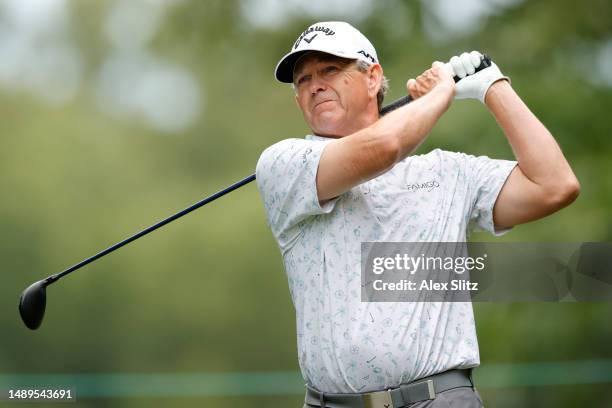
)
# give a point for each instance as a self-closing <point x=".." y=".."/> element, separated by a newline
<point x="33" y="300"/>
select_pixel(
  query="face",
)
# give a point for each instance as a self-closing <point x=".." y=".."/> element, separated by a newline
<point x="336" y="99"/>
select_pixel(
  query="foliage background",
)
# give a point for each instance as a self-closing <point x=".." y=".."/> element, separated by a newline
<point x="116" y="114"/>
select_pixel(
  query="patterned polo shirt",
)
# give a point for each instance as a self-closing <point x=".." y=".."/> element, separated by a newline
<point x="345" y="345"/>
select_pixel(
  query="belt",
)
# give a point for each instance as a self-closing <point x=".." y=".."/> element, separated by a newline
<point x="415" y="391"/>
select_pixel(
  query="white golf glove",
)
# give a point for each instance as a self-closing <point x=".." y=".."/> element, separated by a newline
<point x="476" y="85"/>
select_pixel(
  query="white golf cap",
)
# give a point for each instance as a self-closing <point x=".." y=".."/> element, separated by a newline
<point x="332" y="37"/>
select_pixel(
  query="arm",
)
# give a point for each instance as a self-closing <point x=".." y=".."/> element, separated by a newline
<point x="369" y="152"/>
<point x="543" y="181"/>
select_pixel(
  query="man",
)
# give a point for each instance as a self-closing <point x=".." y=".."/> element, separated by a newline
<point x="349" y="182"/>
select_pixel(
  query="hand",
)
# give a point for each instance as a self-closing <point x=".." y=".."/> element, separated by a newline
<point x="439" y="75"/>
<point x="474" y="85"/>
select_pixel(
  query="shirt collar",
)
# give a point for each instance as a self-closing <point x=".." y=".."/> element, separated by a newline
<point x="318" y="138"/>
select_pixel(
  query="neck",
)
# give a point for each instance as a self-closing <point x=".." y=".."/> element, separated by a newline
<point x="367" y="119"/>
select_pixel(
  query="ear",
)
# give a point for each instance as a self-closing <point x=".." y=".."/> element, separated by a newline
<point x="375" y="75"/>
<point x="297" y="102"/>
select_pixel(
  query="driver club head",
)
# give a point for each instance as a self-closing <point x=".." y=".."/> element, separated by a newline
<point x="32" y="304"/>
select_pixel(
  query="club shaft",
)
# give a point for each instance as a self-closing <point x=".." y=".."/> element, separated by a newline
<point x="152" y="228"/>
<point x="486" y="62"/>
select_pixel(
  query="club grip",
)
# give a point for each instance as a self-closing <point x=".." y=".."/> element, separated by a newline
<point x="485" y="62"/>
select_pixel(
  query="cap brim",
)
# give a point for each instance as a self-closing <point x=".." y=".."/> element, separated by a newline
<point x="284" y="69"/>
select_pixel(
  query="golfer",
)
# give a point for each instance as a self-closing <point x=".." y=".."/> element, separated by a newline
<point x="356" y="178"/>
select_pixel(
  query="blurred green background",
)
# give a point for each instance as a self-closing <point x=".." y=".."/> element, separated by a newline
<point x="115" y="114"/>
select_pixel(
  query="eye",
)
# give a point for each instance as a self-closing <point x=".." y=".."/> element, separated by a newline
<point x="303" y="79"/>
<point x="330" y="69"/>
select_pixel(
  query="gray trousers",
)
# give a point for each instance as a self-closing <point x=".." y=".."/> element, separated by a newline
<point x="462" y="397"/>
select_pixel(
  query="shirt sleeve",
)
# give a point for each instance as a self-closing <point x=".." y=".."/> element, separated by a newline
<point x="286" y="178"/>
<point x="486" y="177"/>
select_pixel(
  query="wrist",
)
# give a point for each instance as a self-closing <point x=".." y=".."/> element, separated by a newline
<point x="444" y="93"/>
<point x="496" y="90"/>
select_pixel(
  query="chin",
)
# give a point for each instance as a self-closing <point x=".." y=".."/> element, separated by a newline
<point x="329" y="131"/>
<point x="329" y="127"/>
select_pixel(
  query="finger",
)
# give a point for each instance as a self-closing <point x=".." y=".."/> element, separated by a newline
<point x="476" y="58"/>
<point x="446" y="67"/>
<point x="443" y="69"/>
<point x="438" y="67"/>
<point x="449" y="68"/>
<point x="458" y="68"/>
<point x="437" y="64"/>
<point x="423" y="80"/>
<point x="466" y="61"/>
<point x="411" y="86"/>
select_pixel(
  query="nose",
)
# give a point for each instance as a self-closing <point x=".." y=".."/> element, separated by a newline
<point x="317" y="84"/>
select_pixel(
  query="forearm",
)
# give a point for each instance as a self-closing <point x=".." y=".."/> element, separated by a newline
<point x="539" y="156"/>
<point x="409" y="125"/>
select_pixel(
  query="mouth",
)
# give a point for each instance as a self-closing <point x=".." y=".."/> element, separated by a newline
<point x="322" y="103"/>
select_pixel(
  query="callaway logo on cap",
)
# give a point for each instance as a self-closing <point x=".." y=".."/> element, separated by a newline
<point x="332" y="37"/>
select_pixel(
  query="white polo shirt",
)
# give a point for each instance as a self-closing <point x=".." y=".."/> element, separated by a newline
<point x="345" y="345"/>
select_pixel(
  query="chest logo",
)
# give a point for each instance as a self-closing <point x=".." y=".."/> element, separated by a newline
<point x="424" y="186"/>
